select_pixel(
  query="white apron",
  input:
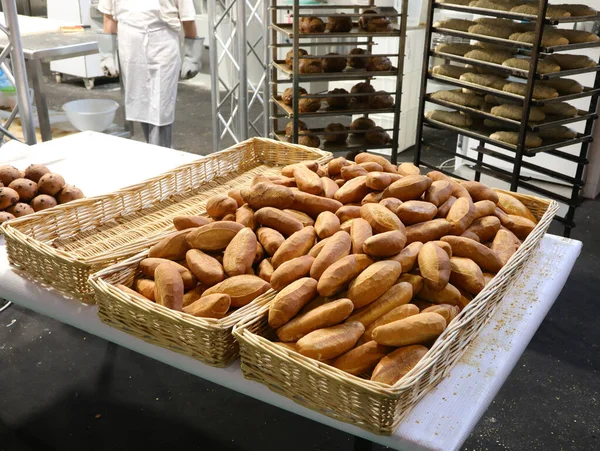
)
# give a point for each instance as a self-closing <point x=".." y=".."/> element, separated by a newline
<point x="150" y="62"/>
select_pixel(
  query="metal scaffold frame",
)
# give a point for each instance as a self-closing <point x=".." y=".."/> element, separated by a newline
<point x="17" y="75"/>
<point x="240" y="105"/>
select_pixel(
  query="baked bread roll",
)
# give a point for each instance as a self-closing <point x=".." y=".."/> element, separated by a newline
<point x="308" y="140"/>
<point x="531" y="139"/>
<point x="548" y="39"/>
<point x="562" y="109"/>
<point x="448" y="70"/>
<point x="458" y="97"/>
<point x="361" y="125"/>
<point x="454" y="118"/>
<point x="459" y="49"/>
<point x="497" y="22"/>
<point x="308" y="104"/>
<point x="454" y="24"/>
<point x="490" y="56"/>
<point x="564" y="86"/>
<point x="543" y="67"/>
<point x="358" y="62"/>
<point x="539" y="91"/>
<point x="397" y="364"/>
<point x="379" y="63"/>
<point x="311" y="25"/>
<point x="552" y="12"/>
<point x="377" y="136"/>
<point x="557" y="133"/>
<point x="515" y="112"/>
<point x="495" y="47"/>
<point x="490" y="30"/>
<point x="381" y="100"/>
<point x="289" y="56"/>
<point x="339" y="24"/>
<point x="374" y="24"/>
<point x="578" y="10"/>
<point x="490" y="4"/>
<point x="493" y="100"/>
<point x="330" y="134"/>
<point x="489" y="81"/>
<point x="288" y="95"/>
<point x="362" y="88"/>
<point x="497" y="125"/>
<point x="334" y="64"/>
<point x="487" y="71"/>
<point x="568" y="62"/>
<point x="456" y="2"/>
<point x="310" y="66"/>
<point x="289" y="128"/>
<point x="578" y="36"/>
<point x="338" y="103"/>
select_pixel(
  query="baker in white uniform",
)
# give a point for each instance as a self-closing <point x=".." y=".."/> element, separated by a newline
<point x="148" y="51"/>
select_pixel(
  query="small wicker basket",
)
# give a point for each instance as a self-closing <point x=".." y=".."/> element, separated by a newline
<point x="374" y="406"/>
<point x="64" y="245"/>
<point x="206" y="339"/>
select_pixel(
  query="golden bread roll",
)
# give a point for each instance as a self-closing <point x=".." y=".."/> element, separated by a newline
<point x="379" y="63"/>
<point x="338" y="103"/>
<point x="543" y="67"/>
<point x="396" y="365"/>
<point x="339" y="24"/>
<point x="289" y="56"/>
<point x="359" y="59"/>
<point x="288" y="302"/>
<point x="490" y="30"/>
<point x="362" y="359"/>
<point x="454" y="118"/>
<point x="334" y="63"/>
<point x="400" y="312"/>
<point x="377" y="136"/>
<point x="456" y="2"/>
<point x="505" y="245"/>
<point x="416" y="329"/>
<point x="549" y="39"/>
<point x="557" y="133"/>
<point x="307" y="140"/>
<point x="373" y="282"/>
<point x="489" y="56"/>
<point x="515" y="112"/>
<point x="495" y="48"/>
<point x="490" y="4"/>
<point x="540" y="91"/>
<point x="434" y="266"/>
<point x="562" y="109"/>
<point x="311" y="25"/>
<point x="449" y="70"/>
<point x="552" y="12"/>
<point x="466" y="275"/>
<point x="496" y="22"/>
<point x="289" y="128"/>
<point x="310" y="66"/>
<point x="490" y="81"/>
<point x="454" y="24"/>
<point x="308" y="104"/>
<point x="374" y="23"/>
<point x="564" y="86"/>
<point x="513" y="206"/>
<point x="578" y="10"/>
<point x="213" y="306"/>
<point x="459" y="49"/>
<point x="448" y="295"/>
<point x="287" y="96"/>
<point x="568" y="62"/>
<point x="337" y="277"/>
<point x="459" y="98"/>
<point x="399" y="294"/>
<point x="521" y="227"/>
<point x="361" y="125"/>
<point x="381" y="100"/>
<point x="326" y="315"/>
<point x="578" y="36"/>
<point x="532" y="140"/>
<point x="487" y="259"/>
<point x="449" y="312"/>
<point x="330" y="342"/>
<point x="335" y="132"/>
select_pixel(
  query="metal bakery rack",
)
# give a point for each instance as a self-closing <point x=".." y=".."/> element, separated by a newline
<point x="287" y="36"/>
<point x="519" y="157"/>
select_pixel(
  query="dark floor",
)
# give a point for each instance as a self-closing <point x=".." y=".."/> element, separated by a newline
<point x="62" y="389"/>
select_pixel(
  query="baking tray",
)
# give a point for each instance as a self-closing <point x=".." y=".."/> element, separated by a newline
<point x="353" y="143"/>
<point x="347" y="74"/>
<point x="325" y="111"/>
<point x="288" y="31"/>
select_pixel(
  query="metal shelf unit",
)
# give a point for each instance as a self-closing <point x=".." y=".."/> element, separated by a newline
<point x="288" y="36"/>
<point x="479" y="132"/>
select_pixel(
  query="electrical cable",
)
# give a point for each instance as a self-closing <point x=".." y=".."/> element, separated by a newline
<point x="5" y="306"/>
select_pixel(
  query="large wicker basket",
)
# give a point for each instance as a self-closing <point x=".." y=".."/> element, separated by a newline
<point x="374" y="406"/>
<point x="64" y="245"/>
<point x="205" y="339"/>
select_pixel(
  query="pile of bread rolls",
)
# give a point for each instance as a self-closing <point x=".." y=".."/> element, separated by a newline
<point x="371" y="22"/>
<point x="37" y="188"/>
<point x="559" y="11"/>
<point x="334" y="62"/>
<point x="371" y="260"/>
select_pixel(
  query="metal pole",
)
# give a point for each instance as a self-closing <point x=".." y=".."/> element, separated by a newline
<point x="243" y="73"/>
<point x="399" y="79"/>
<point x="18" y="65"/>
<point x="267" y="40"/>
<point x="214" y="71"/>
<point x="296" y="70"/>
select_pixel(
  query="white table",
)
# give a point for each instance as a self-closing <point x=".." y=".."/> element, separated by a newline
<point x="442" y="420"/>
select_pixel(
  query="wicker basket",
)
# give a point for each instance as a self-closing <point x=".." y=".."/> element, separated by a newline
<point x="374" y="406"/>
<point x="205" y="339"/>
<point x="64" y="245"/>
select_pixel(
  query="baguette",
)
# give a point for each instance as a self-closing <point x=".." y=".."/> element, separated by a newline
<point x="381" y="219"/>
<point x="268" y="195"/>
<point x="240" y="253"/>
<point x="385" y="244"/>
<point x="327" y="224"/>
<point x="444" y="246"/>
<point x="265" y="270"/>
<point x="461" y="215"/>
<point x="466" y="274"/>
<point x="207" y="269"/>
<point x="373" y="282"/>
<point x="487" y="259"/>
<point x="521" y="227"/>
<point x="331" y="342"/>
<point x="270" y="239"/>
<point x="513" y="206"/>
<point x="300" y="216"/>
<point x="448" y="70"/>
<point x="410" y="187"/>
<point x="149" y="265"/>
<point x="314" y="205"/>
<point x="428" y="230"/>
<point x="406" y="169"/>
<point x="175" y="245"/>
<point x="337" y="277"/>
<point x="326" y="315"/>
<point x="365" y="157"/>
<point x="353" y="171"/>
<point x="449" y="312"/>
<point x="362" y="359"/>
<point x="193" y="295"/>
<point x="317" y="248"/>
<point x="447" y="295"/>
<point x="420" y="328"/>
<point x="245" y="216"/>
<point x="146" y="288"/>
<point x="391" y="203"/>
<point x="135" y="294"/>
<point x="220" y="206"/>
<point x="434" y="265"/>
<point x="415" y="211"/>
<point x="242" y="289"/>
<point x="408" y="256"/>
<point x="400" y="312"/>
<point x="353" y="190"/>
<point x="378" y="180"/>
<point x="329" y="187"/>
<point x="484" y="229"/>
<point x="478" y="191"/>
<point x="168" y="286"/>
<point x="360" y="232"/>
<point x="337" y="247"/>
<point x="297" y="245"/>
<point x="277" y="219"/>
<point x="213" y="306"/>
<point x="416" y="281"/>
<point x="455" y="118"/>
<point x="288" y="302"/>
<point x="334" y="167"/>
<point x="443" y="209"/>
<point x="307" y="180"/>
<point x="504" y="245"/>
<point x="396" y="365"/>
<point x="398" y="294"/>
<point x="190" y="222"/>
<point x="290" y="271"/>
<point x="348" y="212"/>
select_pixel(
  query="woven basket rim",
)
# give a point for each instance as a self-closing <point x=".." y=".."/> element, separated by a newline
<point x="446" y="339"/>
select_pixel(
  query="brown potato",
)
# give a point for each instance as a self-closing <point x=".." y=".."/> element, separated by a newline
<point x="4" y="216"/>
<point x="35" y="172"/>
<point x="8" y="197"/>
<point x="26" y="189"/>
<point x="68" y="194"/>
<point x="42" y="202"/>
<point x="20" y="209"/>
<point x="51" y="184"/>
<point x="9" y="174"/>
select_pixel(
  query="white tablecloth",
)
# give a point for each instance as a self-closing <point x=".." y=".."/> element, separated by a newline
<point x="442" y="420"/>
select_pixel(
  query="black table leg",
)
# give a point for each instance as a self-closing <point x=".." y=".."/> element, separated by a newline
<point x="361" y="444"/>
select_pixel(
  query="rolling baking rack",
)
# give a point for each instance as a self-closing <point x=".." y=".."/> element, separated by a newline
<point x="286" y="36"/>
<point x="517" y="152"/>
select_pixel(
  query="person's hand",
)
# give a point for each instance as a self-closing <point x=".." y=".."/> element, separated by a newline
<point x="109" y="58"/>
<point x="192" y="54"/>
